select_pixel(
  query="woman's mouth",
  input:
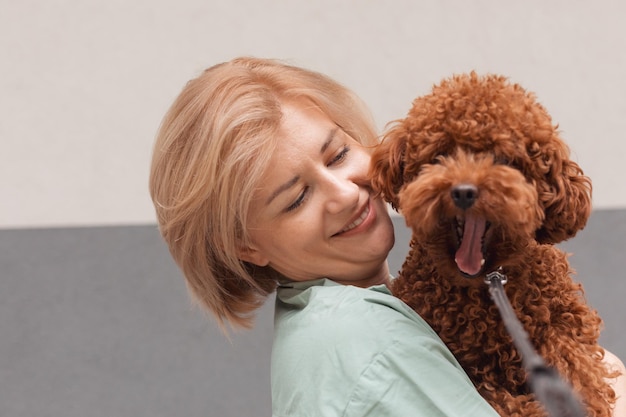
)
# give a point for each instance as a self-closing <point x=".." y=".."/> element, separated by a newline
<point x="357" y="221"/>
<point x="363" y="216"/>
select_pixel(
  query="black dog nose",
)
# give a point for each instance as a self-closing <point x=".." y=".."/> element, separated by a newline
<point x="464" y="195"/>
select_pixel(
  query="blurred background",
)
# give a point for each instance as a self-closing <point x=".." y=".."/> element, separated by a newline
<point x="94" y="316"/>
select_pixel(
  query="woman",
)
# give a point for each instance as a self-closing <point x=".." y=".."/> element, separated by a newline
<point x="259" y="183"/>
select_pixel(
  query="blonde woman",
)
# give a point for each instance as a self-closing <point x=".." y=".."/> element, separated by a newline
<point x="259" y="180"/>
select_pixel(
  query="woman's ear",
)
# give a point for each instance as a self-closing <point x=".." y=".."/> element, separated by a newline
<point x="253" y="255"/>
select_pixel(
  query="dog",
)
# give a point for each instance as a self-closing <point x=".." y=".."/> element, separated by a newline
<point x="485" y="182"/>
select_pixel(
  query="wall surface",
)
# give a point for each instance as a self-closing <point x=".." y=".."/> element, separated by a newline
<point x="85" y="82"/>
<point x="94" y="316"/>
<point x="96" y="322"/>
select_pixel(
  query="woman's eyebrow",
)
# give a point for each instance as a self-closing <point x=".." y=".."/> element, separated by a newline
<point x="282" y="188"/>
<point x="329" y="139"/>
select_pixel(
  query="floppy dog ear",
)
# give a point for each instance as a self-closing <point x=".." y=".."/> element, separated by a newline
<point x="565" y="194"/>
<point x="387" y="167"/>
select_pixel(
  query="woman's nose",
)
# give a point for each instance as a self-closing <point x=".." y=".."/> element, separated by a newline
<point x="341" y="194"/>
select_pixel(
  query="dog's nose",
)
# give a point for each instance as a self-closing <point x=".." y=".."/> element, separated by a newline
<point x="464" y="195"/>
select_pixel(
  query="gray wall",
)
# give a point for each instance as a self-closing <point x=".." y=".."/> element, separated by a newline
<point x="96" y="322"/>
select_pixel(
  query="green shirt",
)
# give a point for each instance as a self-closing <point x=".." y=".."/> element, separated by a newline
<point x="341" y="350"/>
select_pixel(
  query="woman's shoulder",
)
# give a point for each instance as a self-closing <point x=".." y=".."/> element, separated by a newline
<point x="336" y="312"/>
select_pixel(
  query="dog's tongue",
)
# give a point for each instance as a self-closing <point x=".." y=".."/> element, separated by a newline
<point x="469" y="257"/>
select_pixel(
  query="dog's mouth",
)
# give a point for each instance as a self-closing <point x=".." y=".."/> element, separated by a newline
<point x="469" y="256"/>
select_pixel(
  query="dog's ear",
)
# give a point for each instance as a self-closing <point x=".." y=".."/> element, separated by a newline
<point x="564" y="193"/>
<point x="387" y="167"/>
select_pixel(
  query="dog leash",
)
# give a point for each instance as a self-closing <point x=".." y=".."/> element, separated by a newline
<point x="556" y="395"/>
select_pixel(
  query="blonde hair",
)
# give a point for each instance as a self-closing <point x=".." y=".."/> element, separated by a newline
<point x="212" y="145"/>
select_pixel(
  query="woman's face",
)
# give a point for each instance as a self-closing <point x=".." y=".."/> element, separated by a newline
<point x="314" y="215"/>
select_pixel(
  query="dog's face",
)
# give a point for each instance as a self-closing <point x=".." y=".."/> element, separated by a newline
<point x="478" y="168"/>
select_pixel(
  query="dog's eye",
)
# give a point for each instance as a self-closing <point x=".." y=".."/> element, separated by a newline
<point x="503" y="160"/>
<point x="437" y="159"/>
<point x="515" y="163"/>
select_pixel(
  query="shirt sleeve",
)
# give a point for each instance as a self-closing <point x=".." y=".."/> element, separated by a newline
<point x="416" y="376"/>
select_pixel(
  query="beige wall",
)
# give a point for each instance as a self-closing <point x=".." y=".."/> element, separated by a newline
<point x="84" y="83"/>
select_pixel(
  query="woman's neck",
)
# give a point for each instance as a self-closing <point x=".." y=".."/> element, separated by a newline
<point x="381" y="276"/>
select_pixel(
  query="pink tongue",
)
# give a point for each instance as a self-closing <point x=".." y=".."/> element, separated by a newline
<point x="469" y="256"/>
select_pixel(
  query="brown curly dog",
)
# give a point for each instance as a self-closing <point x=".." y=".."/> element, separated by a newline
<point x="484" y="181"/>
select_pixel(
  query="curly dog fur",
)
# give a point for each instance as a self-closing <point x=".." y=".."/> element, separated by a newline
<point x="485" y="182"/>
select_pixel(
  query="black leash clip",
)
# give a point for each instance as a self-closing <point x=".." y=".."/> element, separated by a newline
<point x="496" y="276"/>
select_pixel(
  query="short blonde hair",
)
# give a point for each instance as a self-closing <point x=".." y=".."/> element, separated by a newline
<point x="213" y="143"/>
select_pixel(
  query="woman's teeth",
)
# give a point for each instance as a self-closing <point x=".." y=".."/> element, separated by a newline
<point x="357" y="221"/>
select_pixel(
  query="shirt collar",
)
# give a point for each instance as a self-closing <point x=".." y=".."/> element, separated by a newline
<point x="298" y="293"/>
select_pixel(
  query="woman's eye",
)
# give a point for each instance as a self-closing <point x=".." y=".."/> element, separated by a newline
<point x="340" y="156"/>
<point x="298" y="201"/>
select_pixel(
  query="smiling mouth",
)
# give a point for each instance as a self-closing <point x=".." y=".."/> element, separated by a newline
<point x="357" y="222"/>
